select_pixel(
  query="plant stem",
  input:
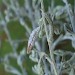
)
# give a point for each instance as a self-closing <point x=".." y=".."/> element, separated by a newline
<point x="49" y="38"/>
<point x="71" y="15"/>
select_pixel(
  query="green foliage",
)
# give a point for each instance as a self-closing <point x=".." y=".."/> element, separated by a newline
<point x="51" y="43"/>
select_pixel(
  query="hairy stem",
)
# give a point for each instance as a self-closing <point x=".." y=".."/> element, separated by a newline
<point x="49" y="39"/>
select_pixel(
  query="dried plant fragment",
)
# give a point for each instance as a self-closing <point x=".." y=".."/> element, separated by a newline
<point x="32" y="39"/>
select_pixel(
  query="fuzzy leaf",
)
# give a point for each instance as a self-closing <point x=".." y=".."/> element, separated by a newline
<point x="37" y="69"/>
<point x="71" y="72"/>
<point x="11" y="69"/>
<point x="34" y="56"/>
